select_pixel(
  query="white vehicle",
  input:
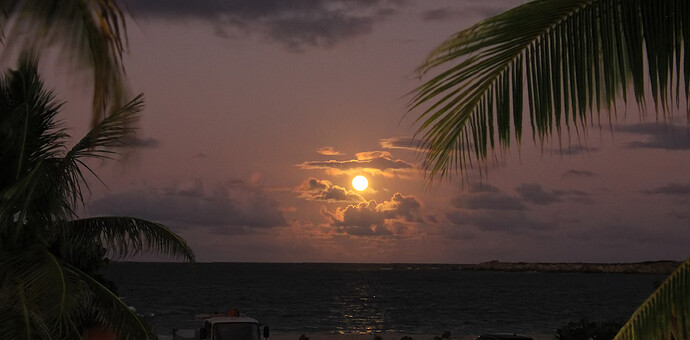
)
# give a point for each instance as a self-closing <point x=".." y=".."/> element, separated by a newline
<point x="228" y="327"/>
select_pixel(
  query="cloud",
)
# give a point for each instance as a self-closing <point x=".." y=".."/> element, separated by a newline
<point x="576" y="149"/>
<point x="671" y="189"/>
<point x="329" y="151"/>
<point x="534" y="193"/>
<point x="322" y="190"/>
<point x="505" y="221"/>
<point x="373" y="162"/>
<point x="487" y="208"/>
<point x="401" y="206"/>
<point x="404" y="143"/>
<point x="577" y="173"/>
<point x="363" y="156"/>
<point x="674" y="234"/>
<point x="441" y="14"/>
<point x="144" y="143"/>
<point x="294" y="24"/>
<point x="481" y="9"/>
<point x="659" y="136"/>
<point x="488" y="8"/>
<point x="487" y="197"/>
<point x="395" y="217"/>
<point x="229" y="208"/>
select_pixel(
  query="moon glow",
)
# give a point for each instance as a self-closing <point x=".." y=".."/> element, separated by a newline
<point x="360" y="183"/>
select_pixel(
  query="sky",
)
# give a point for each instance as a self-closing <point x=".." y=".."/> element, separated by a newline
<point x="259" y="114"/>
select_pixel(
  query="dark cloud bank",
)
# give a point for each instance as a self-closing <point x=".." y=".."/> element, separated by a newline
<point x="488" y="208"/>
<point x="295" y="24"/>
<point x="230" y="208"/>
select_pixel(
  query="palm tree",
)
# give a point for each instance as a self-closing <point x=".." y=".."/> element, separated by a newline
<point x="48" y="289"/>
<point x="572" y="60"/>
<point x="90" y="33"/>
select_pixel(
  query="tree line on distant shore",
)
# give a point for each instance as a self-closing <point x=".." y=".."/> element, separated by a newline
<point x="650" y="267"/>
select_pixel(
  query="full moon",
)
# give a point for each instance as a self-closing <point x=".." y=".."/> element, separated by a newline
<point x="360" y="183"/>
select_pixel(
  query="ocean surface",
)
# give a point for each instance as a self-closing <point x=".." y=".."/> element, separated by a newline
<point x="372" y="298"/>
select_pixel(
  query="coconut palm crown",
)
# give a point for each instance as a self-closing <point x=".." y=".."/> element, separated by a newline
<point x="571" y="60"/>
<point x="48" y="288"/>
<point x="90" y="34"/>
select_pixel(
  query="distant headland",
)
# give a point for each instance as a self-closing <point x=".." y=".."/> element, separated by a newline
<point x="650" y="267"/>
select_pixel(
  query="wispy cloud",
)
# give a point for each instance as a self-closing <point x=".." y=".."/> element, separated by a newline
<point x="471" y="8"/>
<point x="372" y="162"/>
<point x="440" y="14"/>
<point x="535" y="193"/>
<point x="577" y="173"/>
<point x="323" y="190"/>
<point x="295" y="24"/>
<point x="367" y="155"/>
<point x="404" y="143"/>
<point x="144" y="143"/>
<point x="659" y="136"/>
<point x="671" y="189"/>
<point x="487" y="197"/>
<point x="576" y="149"/>
<point x="329" y="151"/>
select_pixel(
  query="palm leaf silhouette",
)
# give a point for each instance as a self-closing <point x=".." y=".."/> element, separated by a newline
<point x="568" y="58"/>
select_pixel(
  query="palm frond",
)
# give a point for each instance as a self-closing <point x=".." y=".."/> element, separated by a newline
<point x="39" y="296"/>
<point x="30" y="140"/>
<point x="100" y="142"/>
<point x="30" y="132"/>
<point x="44" y="298"/>
<point x="665" y="313"/>
<point x="114" y="131"/>
<point x="18" y="321"/>
<point x="91" y="34"/>
<point x="569" y="58"/>
<point x="126" y="236"/>
<point x="41" y="179"/>
<point x="106" y="309"/>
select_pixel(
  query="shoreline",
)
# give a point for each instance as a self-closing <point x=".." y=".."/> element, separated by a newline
<point x="649" y="267"/>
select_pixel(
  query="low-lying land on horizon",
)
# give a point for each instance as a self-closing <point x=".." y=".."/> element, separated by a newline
<point x="649" y="267"/>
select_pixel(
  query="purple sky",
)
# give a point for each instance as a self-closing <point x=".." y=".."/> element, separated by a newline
<point x="259" y="114"/>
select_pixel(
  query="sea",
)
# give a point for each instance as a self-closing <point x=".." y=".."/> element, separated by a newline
<point x="304" y="298"/>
